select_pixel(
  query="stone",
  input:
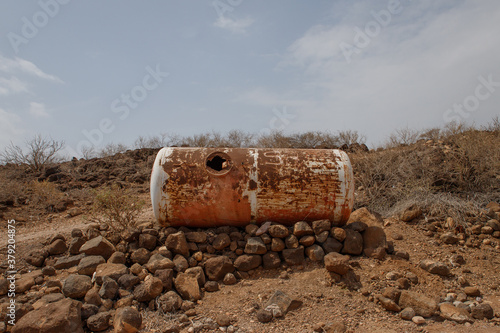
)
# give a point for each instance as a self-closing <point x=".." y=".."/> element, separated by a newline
<point x="271" y="260"/>
<point x="37" y="257"/>
<point x="392" y="293"/>
<point x="280" y="303"/>
<point x="117" y="257"/>
<point x="320" y="226"/>
<point x="157" y="262"/>
<point x="376" y="253"/>
<point x="277" y="245"/>
<point x="75" y="244"/>
<point x="180" y="263"/>
<point x="68" y="262"/>
<point x="76" y="286"/>
<point x="89" y="310"/>
<point x="58" y="246"/>
<point x="109" y="288"/>
<point x="229" y="279"/>
<point x="472" y="291"/>
<point x="332" y="245"/>
<point x="357" y="226"/>
<point x="353" y="243"/>
<point x="198" y="273"/>
<point x="302" y="228"/>
<point x="211" y="286"/>
<point x="88" y="265"/>
<point x="291" y="242"/>
<point x="255" y="245"/>
<point x="322" y="237"/>
<point x="221" y="241"/>
<point x="99" y="246"/>
<point x="128" y="281"/>
<point x="482" y="310"/>
<point x="140" y="256"/>
<point x="307" y="240"/>
<point x="389" y="304"/>
<point x="217" y="267"/>
<point x="407" y="313"/>
<point x="63" y="316"/>
<point x="419" y="320"/>
<point x="251" y="229"/>
<point x="166" y="276"/>
<point x="315" y="252"/>
<point x="114" y="271"/>
<point x="264" y="316"/>
<point x="196" y="237"/>
<point x="423" y="305"/>
<point x="374" y="237"/>
<point x="99" y="322"/>
<point x="263" y="228"/>
<point x="451" y="312"/>
<point x="278" y="231"/>
<point x="338" y="233"/>
<point x="223" y="320"/>
<point x="169" y="302"/>
<point x="335" y="327"/>
<point x="147" y="241"/>
<point x="177" y="243"/>
<point x="127" y="320"/>
<point x="411" y="213"/>
<point x="435" y="267"/>
<point x="92" y="296"/>
<point x="149" y="289"/>
<point x="49" y="298"/>
<point x="449" y="238"/>
<point x="247" y="262"/>
<point x="294" y="256"/>
<point x="187" y="286"/>
<point x="337" y="263"/>
<point x="48" y="271"/>
<point x="367" y="217"/>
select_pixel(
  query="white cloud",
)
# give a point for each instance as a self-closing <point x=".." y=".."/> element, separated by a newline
<point x="12" y="86"/>
<point x="410" y="73"/>
<point x="38" y="110"/>
<point x="18" y="65"/>
<point x="234" y="25"/>
<point x="9" y="130"/>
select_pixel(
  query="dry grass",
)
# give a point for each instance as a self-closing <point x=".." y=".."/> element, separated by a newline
<point x="117" y="207"/>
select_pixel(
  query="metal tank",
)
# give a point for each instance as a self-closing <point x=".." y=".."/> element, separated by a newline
<point x="207" y="187"/>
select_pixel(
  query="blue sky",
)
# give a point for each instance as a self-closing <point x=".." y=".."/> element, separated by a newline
<point x="110" y="71"/>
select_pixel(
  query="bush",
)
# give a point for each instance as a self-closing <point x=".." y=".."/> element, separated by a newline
<point x="40" y="152"/>
<point x="117" y="207"/>
<point x="45" y="194"/>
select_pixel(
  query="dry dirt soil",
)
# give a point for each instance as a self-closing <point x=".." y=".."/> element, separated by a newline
<point x="323" y="300"/>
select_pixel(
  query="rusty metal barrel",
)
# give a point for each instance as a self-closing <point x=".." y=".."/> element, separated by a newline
<point x="207" y="187"/>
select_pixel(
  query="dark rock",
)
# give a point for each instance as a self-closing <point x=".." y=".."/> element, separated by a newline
<point x="247" y="262"/>
<point x="294" y="256"/>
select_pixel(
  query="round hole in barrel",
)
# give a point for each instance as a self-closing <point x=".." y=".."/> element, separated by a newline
<point x="218" y="163"/>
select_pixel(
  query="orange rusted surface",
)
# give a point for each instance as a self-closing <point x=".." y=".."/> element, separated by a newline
<point x="208" y="187"/>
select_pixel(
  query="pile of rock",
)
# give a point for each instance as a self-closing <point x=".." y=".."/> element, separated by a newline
<point x="484" y="230"/>
<point x="171" y="268"/>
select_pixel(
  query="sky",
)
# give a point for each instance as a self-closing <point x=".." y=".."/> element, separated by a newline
<point x="95" y="72"/>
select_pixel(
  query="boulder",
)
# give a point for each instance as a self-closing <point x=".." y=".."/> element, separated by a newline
<point x="353" y="243"/>
<point x="127" y="320"/>
<point x="294" y="256"/>
<point x="88" y="265"/>
<point x="187" y="286"/>
<point x="114" y="271"/>
<point x="255" y="245"/>
<point x="58" y="246"/>
<point x="367" y="217"/>
<point x="98" y="246"/>
<point x="337" y="263"/>
<point x="150" y="289"/>
<point x="217" y="267"/>
<point x="63" y="316"/>
<point x="435" y="267"/>
<point x="177" y="243"/>
<point x="247" y="262"/>
<point x="423" y="305"/>
<point x="76" y="286"/>
<point x="278" y="231"/>
<point x="68" y="262"/>
<point x="451" y="312"/>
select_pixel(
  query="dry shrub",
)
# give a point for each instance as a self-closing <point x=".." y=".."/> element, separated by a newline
<point x="13" y="190"/>
<point x="44" y="194"/>
<point x="117" y="207"/>
<point x="451" y="176"/>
